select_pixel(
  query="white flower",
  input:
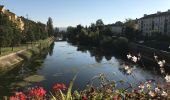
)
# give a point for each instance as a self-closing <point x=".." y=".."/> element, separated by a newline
<point x="152" y="94"/>
<point x="141" y="86"/>
<point x="160" y="63"/>
<point x="148" y="85"/>
<point x="163" y="61"/>
<point x="139" y="56"/>
<point x="157" y="90"/>
<point x="129" y="56"/>
<point x="129" y="71"/>
<point x="134" y="59"/>
<point x="162" y="70"/>
<point x="156" y="57"/>
<point x="126" y="67"/>
<point x="164" y="94"/>
<point x="167" y="78"/>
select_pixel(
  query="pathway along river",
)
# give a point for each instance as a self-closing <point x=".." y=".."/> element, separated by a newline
<point x="62" y="61"/>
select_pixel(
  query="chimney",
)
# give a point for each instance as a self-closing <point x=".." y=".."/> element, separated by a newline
<point x="158" y="12"/>
<point x="168" y="10"/>
<point x="145" y="15"/>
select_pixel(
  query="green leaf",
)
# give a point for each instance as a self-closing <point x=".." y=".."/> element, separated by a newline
<point x="62" y="95"/>
<point x="69" y="97"/>
<point x="53" y="96"/>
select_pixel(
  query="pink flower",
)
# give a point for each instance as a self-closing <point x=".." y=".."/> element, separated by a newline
<point x="37" y="92"/>
<point x="13" y="98"/>
<point x="56" y="87"/>
<point x="18" y="96"/>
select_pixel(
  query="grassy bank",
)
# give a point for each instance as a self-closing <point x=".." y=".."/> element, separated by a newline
<point x="8" y="61"/>
<point x="9" y="50"/>
<point x="36" y="48"/>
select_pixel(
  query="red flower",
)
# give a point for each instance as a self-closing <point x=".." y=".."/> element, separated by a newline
<point x="36" y="92"/>
<point x="56" y="87"/>
<point x="18" y="96"/>
<point x="13" y="98"/>
<point x="84" y="97"/>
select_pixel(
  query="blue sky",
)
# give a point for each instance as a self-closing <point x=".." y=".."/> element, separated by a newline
<point x="72" y="12"/>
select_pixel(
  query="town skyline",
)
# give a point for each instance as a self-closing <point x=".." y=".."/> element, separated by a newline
<point x="88" y="12"/>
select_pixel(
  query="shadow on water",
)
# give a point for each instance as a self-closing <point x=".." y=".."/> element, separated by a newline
<point x="19" y="78"/>
<point x="100" y="53"/>
<point x="62" y="60"/>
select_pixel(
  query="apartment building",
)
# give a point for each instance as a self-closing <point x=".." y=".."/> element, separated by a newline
<point x="155" y="23"/>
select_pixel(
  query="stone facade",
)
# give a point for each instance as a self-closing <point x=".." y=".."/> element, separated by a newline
<point x="155" y="23"/>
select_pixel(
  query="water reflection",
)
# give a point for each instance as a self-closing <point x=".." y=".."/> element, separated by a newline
<point x="97" y="52"/>
<point x="17" y="78"/>
<point x="60" y="62"/>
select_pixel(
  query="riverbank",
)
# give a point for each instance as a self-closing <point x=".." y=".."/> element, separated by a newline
<point x="7" y="62"/>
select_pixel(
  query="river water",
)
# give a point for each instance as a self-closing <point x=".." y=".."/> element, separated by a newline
<point x="62" y="61"/>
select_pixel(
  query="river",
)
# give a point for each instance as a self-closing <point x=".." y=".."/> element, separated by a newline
<point x="63" y="60"/>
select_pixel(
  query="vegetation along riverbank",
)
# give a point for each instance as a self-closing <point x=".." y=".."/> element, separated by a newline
<point x="7" y="62"/>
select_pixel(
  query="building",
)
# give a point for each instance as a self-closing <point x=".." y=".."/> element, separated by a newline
<point x="14" y="18"/>
<point x="116" y="29"/>
<point x="155" y="23"/>
<point x="2" y="9"/>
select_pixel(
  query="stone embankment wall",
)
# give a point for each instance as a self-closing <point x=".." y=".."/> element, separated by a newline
<point x="7" y="62"/>
<point x="148" y="53"/>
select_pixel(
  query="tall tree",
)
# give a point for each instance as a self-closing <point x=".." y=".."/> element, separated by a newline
<point x="130" y="29"/>
<point x="50" y="28"/>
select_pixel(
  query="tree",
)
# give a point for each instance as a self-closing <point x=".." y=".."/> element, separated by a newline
<point x="56" y="32"/>
<point x="50" y="28"/>
<point x="130" y="29"/>
<point x="119" y="23"/>
<point x="99" y="22"/>
<point x="16" y="37"/>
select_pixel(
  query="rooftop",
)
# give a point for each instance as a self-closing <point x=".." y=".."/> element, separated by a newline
<point x="156" y="14"/>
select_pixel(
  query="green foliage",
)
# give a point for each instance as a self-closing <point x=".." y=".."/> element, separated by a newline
<point x="50" y="28"/>
<point x="130" y="29"/>
<point x="96" y="35"/>
<point x="11" y="35"/>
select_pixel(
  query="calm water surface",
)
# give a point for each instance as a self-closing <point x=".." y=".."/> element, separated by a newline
<point x="62" y="61"/>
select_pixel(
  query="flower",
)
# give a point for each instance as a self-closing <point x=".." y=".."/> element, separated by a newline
<point x="151" y="93"/>
<point x="141" y="86"/>
<point x="126" y="67"/>
<point x="148" y="85"/>
<point x="164" y="94"/>
<point x="129" y="56"/>
<point x="56" y="87"/>
<point x="84" y="97"/>
<point x="162" y="70"/>
<point x="161" y="63"/>
<point x="156" y="57"/>
<point x="157" y="90"/>
<point x="12" y="98"/>
<point x="20" y="95"/>
<point x="139" y="57"/>
<point x="37" y="92"/>
<point x="167" y="78"/>
<point x="129" y="71"/>
<point x="134" y="59"/>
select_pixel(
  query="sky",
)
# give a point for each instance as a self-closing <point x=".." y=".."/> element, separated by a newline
<point x="73" y="12"/>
